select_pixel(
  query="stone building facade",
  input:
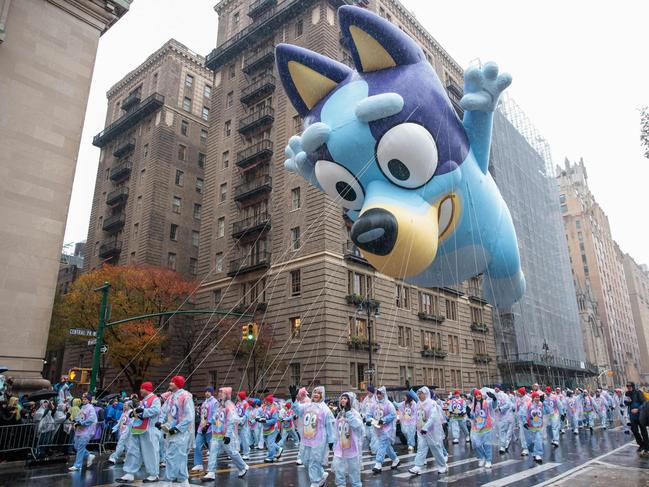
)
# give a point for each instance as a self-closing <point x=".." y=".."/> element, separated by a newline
<point x="147" y="204"/>
<point x="273" y="245"/>
<point x="47" y="55"/>
<point x="596" y="265"/>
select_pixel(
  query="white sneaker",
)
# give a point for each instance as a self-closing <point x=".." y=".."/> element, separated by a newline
<point x="411" y="448"/>
<point x="576" y="431"/>
<point x="91" y="458"/>
<point x="501" y="450"/>
<point x="377" y="468"/>
<point x="246" y="457"/>
<point x="481" y="463"/>
<point x="415" y="470"/>
<point x="298" y="462"/>
<point x="467" y="439"/>
<point x="112" y="460"/>
<point x="524" y="453"/>
<point x="487" y="464"/>
<point x="209" y="476"/>
<point x="197" y="468"/>
<point x="395" y="463"/>
<point x="127" y="477"/>
<point x="537" y="458"/>
<point x="442" y="470"/>
<point x="243" y="472"/>
<point x="324" y="479"/>
<point x="151" y="478"/>
<point x="74" y="469"/>
<point x="456" y="441"/>
<point x="279" y="453"/>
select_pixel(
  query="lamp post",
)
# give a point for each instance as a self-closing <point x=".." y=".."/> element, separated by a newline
<point x="370" y="307"/>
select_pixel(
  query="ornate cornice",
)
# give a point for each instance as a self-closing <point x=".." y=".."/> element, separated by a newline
<point x="100" y="14"/>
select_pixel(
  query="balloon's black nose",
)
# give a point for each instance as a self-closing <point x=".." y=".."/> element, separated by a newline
<point x="375" y="231"/>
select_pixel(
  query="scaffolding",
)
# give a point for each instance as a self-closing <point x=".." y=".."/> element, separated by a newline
<point x="538" y="339"/>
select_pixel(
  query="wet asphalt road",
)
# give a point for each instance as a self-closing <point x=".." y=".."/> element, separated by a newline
<point x="598" y="458"/>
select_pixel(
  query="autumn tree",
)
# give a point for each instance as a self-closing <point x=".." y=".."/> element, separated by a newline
<point x="644" y="130"/>
<point x="133" y="347"/>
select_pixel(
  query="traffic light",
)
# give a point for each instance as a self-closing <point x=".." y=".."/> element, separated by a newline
<point x="79" y="375"/>
<point x="249" y="332"/>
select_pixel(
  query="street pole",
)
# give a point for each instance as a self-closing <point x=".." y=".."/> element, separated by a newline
<point x="369" y="339"/>
<point x="100" y="336"/>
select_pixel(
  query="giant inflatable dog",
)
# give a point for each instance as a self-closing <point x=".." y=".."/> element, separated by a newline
<point x="385" y="142"/>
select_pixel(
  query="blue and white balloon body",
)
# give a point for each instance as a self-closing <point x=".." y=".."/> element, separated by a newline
<point x="385" y="142"/>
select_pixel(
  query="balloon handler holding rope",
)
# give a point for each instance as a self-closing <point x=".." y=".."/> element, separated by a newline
<point x="385" y="142"/>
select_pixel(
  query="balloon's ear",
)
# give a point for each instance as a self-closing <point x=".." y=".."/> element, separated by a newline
<point x="307" y="76"/>
<point x="374" y="42"/>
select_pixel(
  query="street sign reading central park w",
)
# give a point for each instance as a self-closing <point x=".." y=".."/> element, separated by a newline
<point x="84" y="332"/>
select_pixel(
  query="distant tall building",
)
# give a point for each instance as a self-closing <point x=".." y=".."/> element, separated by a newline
<point x="70" y="268"/>
<point x="637" y="280"/>
<point x="596" y="265"/>
<point x="147" y="205"/>
<point x="274" y="245"/>
<point x="47" y="55"/>
<point x="539" y="339"/>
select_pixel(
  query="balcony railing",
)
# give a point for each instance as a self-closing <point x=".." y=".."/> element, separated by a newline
<point x="117" y="196"/>
<point x="114" y="222"/>
<point x="252" y="188"/>
<point x="111" y="248"/>
<point x="121" y="171"/>
<point x="353" y="253"/>
<point x="360" y="342"/>
<point x="265" y="23"/>
<point x="249" y="263"/>
<point x="125" y="148"/>
<point x="259" y="7"/>
<point x="358" y="300"/>
<point x="258" y="118"/>
<point x="132" y="100"/>
<point x="259" y="89"/>
<point x="481" y="358"/>
<point x="259" y="59"/>
<point x="129" y="119"/>
<point x="433" y="353"/>
<point x="253" y="224"/>
<point x="480" y="327"/>
<point x="255" y="153"/>
<point x="430" y="317"/>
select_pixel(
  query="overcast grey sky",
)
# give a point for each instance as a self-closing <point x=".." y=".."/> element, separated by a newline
<point x="580" y="72"/>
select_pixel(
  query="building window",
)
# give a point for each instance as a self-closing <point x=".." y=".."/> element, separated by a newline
<point x="402" y="300"/>
<point x="404" y="337"/>
<point x="223" y="192"/>
<point x="360" y="284"/>
<point x="171" y="261"/>
<point x="217" y="295"/>
<point x="201" y="160"/>
<point x="406" y="375"/>
<point x="189" y="80"/>
<point x="235" y="22"/>
<point x="207" y="91"/>
<point x="182" y="152"/>
<point x="299" y="29"/>
<point x="297" y="124"/>
<point x="295" y="374"/>
<point x="476" y="315"/>
<point x="180" y="177"/>
<point x="451" y="310"/>
<point x="295" y="199"/>
<point x="218" y="265"/>
<point x="454" y="344"/>
<point x="562" y="199"/>
<point x="578" y="224"/>
<point x="203" y="136"/>
<point x="214" y="376"/>
<point x="197" y="211"/>
<point x="184" y="127"/>
<point x="225" y="159"/>
<point x="146" y="150"/>
<point x="193" y="266"/>
<point x="195" y="237"/>
<point x="296" y="283"/>
<point x="431" y="340"/>
<point x="227" y="128"/>
<point x="428" y="304"/>
<point x="456" y="379"/>
<point x="229" y="99"/>
<point x="353" y="381"/>
<point x="357" y="327"/>
<point x="232" y="71"/>
<point x="220" y="227"/>
<point x="206" y="113"/>
<point x="580" y="237"/>
<point x="176" y="204"/>
<point x="296" y="326"/>
<point x="136" y="230"/>
<point x="187" y="104"/>
<point x="295" y="238"/>
<point x="173" y="232"/>
<point x="199" y="185"/>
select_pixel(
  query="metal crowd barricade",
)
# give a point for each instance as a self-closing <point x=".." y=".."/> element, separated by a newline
<point x="58" y="438"/>
<point x="18" y="437"/>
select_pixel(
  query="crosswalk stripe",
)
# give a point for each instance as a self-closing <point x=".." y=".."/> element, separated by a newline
<point x="510" y="479"/>
<point x="389" y="467"/>
<point x="475" y="471"/>
<point x="407" y="475"/>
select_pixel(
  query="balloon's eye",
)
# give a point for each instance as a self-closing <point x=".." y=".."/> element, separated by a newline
<point x="339" y="184"/>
